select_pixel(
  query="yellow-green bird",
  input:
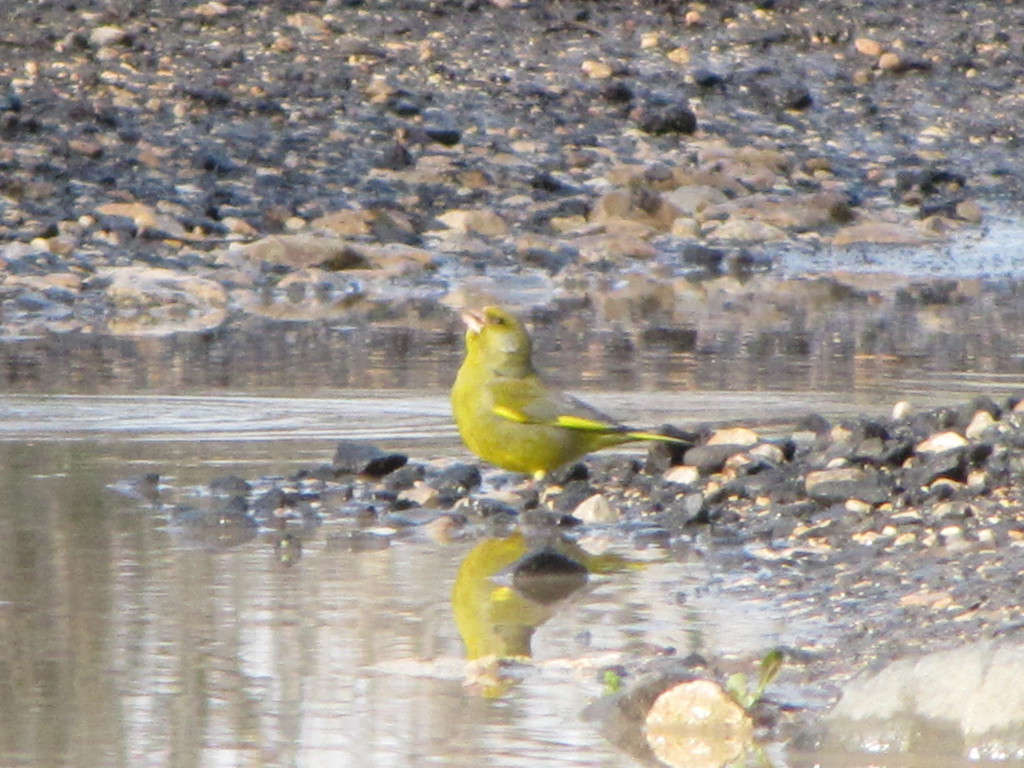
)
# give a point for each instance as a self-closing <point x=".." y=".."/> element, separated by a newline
<point x="509" y="417"/>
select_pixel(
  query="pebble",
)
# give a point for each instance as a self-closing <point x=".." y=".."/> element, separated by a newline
<point x="597" y="70"/>
<point x="709" y="459"/>
<point x="422" y="495"/>
<point x="101" y="37"/>
<point x="596" y="510"/>
<point x="890" y="61"/>
<point x="902" y="410"/>
<point x="980" y="423"/>
<point x="969" y="210"/>
<point x="361" y="458"/>
<point x="943" y="441"/>
<point x="736" y="436"/>
<point x="682" y="475"/>
<point x="868" y="47"/>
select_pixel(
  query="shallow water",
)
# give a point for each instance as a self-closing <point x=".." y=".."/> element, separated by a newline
<point x="122" y="643"/>
<point x="125" y="645"/>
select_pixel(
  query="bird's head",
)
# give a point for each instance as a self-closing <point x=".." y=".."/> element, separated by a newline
<point x="497" y="336"/>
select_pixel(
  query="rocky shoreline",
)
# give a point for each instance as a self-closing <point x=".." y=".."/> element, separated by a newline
<point x="327" y="160"/>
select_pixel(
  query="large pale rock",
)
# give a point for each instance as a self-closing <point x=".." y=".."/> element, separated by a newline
<point x="477" y="222"/>
<point x="147" y="219"/>
<point x="965" y="698"/>
<point x="305" y="250"/>
<point x="334" y="253"/>
<point x="697" y="724"/>
<point x="148" y="300"/>
<point x="747" y="231"/>
<point x="880" y="233"/>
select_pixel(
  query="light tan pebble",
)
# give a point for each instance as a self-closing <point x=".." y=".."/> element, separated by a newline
<point x="308" y="24"/>
<point x="982" y="421"/>
<point x="104" y="36"/>
<point x="866" y="538"/>
<point x="596" y="510"/>
<point x="239" y="226"/>
<point x="902" y="410"/>
<point x="736" y="464"/>
<point x="943" y="441"/>
<point x="63" y="245"/>
<point x="211" y="9"/>
<point x="889" y="61"/>
<point x="952" y="537"/>
<point x="679" y="55"/>
<point x="650" y="40"/>
<point x="90" y="149"/>
<point x="422" y="494"/>
<point x="283" y="44"/>
<point x="907" y="516"/>
<point x="684" y="475"/>
<point x="840" y="434"/>
<point x="868" y="47"/>
<point x="968" y="210"/>
<point x="904" y="539"/>
<point x="857" y="507"/>
<point x="596" y="70"/>
<point x="769" y="452"/>
<point x="977" y="480"/>
<point x="734" y="436"/>
<point x="684" y="226"/>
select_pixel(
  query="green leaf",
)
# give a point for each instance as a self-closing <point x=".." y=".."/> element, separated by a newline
<point x="771" y="664"/>
<point x="736" y="685"/>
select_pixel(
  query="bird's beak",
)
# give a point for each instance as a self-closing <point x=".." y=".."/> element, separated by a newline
<point x="474" y="319"/>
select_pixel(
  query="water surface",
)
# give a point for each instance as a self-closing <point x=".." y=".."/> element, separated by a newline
<point x="124" y="644"/>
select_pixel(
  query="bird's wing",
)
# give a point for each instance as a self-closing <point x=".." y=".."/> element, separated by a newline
<point x="530" y="401"/>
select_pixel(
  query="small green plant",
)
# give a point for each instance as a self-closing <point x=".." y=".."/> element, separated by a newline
<point x="738" y="686"/>
<point x="612" y="681"/>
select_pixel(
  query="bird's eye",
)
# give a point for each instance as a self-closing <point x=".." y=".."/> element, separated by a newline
<point x="498" y="320"/>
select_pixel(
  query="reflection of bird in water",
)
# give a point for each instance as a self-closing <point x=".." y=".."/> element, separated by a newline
<point x="496" y="619"/>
